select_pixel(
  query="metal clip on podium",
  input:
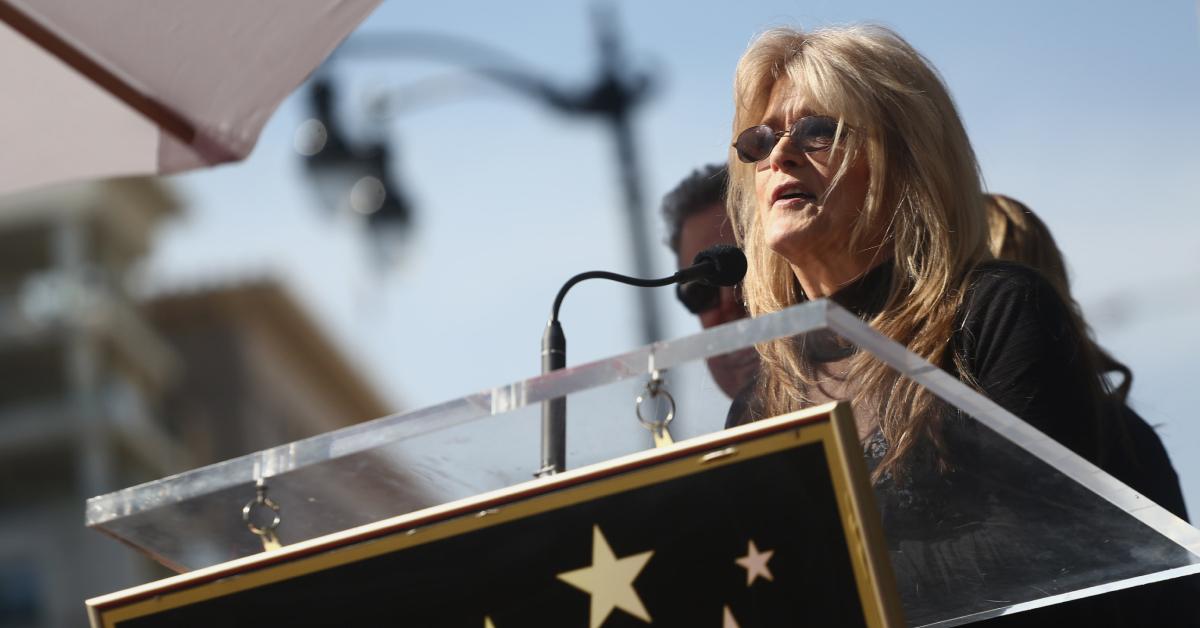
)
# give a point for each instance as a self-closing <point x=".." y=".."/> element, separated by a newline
<point x="431" y="516"/>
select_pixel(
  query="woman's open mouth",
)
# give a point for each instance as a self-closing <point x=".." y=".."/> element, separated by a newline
<point x="792" y="195"/>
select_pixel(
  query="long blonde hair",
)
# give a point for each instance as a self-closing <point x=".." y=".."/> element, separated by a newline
<point x="1015" y="233"/>
<point x="924" y="186"/>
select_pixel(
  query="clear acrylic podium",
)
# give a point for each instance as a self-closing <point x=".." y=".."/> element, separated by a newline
<point x="1065" y="530"/>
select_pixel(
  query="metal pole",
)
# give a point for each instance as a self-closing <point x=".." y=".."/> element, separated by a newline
<point x="639" y="240"/>
<point x="554" y="411"/>
<point x="616" y="93"/>
<point x="613" y="97"/>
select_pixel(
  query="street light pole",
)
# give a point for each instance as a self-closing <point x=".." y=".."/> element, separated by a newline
<point x="613" y="97"/>
<point x="635" y="215"/>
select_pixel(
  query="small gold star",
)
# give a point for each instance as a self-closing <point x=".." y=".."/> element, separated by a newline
<point x="609" y="581"/>
<point x="487" y="622"/>
<point x="729" y="622"/>
<point x="755" y="563"/>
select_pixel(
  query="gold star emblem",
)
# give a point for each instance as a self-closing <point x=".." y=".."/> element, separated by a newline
<point x="487" y="622"/>
<point x="609" y="581"/>
<point x="755" y="563"/>
<point x="729" y="621"/>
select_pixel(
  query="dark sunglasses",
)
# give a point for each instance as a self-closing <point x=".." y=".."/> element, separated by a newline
<point x="809" y="134"/>
<point x="700" y="296"/>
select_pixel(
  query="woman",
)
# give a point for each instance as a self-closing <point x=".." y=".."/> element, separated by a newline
<point x="1016" y="234"/>
<point x="875" y="188"/>
<point x="851" y="177"/>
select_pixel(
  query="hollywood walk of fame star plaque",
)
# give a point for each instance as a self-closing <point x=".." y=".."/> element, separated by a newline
<point x="771" y="523"/>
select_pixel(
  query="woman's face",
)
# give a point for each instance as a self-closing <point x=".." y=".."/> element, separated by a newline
<point x="801" y="221"/>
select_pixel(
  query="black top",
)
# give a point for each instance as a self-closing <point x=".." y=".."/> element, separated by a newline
<point x="975" y="532"/>
<point x="1016" y="336"/>
<point x="1023" y="353"/>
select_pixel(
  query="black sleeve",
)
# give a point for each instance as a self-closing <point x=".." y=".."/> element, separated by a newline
<point x="1022" y="350"/>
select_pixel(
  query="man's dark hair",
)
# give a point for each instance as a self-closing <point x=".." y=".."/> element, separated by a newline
<point x="697" y="192"/>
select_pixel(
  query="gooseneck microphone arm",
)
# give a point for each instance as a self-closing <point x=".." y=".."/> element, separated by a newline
<point x="721" y="265"/>
<point x="633" y="281"/>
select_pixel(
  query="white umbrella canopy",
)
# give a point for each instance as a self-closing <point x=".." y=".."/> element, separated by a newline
<point x="127" y="87"/>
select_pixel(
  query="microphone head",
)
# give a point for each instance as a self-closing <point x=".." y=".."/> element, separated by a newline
<point x="728" y="264"/>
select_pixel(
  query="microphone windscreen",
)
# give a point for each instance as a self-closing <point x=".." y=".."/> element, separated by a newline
<point x="729" y="264"/>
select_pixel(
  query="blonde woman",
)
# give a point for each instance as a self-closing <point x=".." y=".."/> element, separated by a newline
<point x="851" y="177"/>
<point x="1016" y="234"/>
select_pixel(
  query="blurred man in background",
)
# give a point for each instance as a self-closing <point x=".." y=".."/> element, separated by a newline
<point x="696" y="219"/>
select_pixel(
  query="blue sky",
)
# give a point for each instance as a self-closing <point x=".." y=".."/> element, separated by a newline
<point x="1084" y="110"/>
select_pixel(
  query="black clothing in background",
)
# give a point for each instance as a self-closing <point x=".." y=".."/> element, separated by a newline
<point x="1017" y="338"/>
<point x="1015" y="334"/>
<point x="1001" y="521"/>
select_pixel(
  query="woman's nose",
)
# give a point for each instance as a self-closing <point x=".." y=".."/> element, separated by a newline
<point x="785" y="155"/>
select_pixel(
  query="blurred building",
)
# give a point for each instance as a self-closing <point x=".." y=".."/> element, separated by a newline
<point x="98" y="392"/>
<point x="259" y="371"/>
<point x="81" y="373"/>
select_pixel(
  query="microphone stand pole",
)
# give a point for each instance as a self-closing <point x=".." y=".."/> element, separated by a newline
<point x="554" y="411"/>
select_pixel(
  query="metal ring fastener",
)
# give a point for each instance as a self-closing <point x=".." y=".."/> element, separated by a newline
<point x="259" y="502"/>
<point x="654" y="389"/>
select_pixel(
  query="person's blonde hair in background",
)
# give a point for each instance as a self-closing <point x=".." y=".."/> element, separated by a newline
<point x="1016" y="234"/>
<point x="922" y="206"/>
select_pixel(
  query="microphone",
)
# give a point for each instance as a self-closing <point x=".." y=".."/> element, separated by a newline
<point x="718" y="265"/>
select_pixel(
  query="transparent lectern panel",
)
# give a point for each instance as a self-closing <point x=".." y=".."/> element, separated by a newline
<point x="1000" y="519"/>
<point x="347" y="478"/>
<point x="399" y="464"/>
<point x="620" y="418"/>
